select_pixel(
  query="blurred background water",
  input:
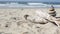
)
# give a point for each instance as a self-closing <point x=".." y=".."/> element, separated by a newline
<point x="28" y="4"/>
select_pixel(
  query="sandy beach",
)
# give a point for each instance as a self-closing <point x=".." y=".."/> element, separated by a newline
<point x="12" y="22"/>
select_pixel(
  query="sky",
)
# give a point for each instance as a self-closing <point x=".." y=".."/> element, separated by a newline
<point x="34" y="0"/>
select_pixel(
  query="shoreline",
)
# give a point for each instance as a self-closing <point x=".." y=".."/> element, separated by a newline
<point x="25" y="7"/>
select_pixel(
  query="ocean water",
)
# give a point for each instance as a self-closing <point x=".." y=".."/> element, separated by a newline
<point x="29" y="4"/>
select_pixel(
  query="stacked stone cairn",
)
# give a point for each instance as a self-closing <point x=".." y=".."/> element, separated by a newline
<point x="52" y="11"/>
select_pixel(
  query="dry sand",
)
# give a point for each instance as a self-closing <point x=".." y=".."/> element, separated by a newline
<point x="12" y="22"/>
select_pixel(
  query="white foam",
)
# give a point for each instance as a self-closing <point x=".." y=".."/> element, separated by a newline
<point x="27" y="5"/>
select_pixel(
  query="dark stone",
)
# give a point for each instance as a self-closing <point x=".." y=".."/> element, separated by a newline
<point x="25" y="16"/>
<point x="53" y="13"/>
<point x="6" y="25"/>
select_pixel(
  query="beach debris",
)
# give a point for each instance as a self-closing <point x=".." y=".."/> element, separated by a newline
<point x="52" y="11"/>
<point x="6" y="25"/>
<point x="35" y="19"/>
<point x="25" y="16"/>
<point x="47" y="16"/>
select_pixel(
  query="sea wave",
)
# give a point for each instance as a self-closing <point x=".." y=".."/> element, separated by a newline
<point x="28" y="5"/>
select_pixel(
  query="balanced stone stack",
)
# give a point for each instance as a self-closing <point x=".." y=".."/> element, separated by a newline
<point x="52" y="11"/>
